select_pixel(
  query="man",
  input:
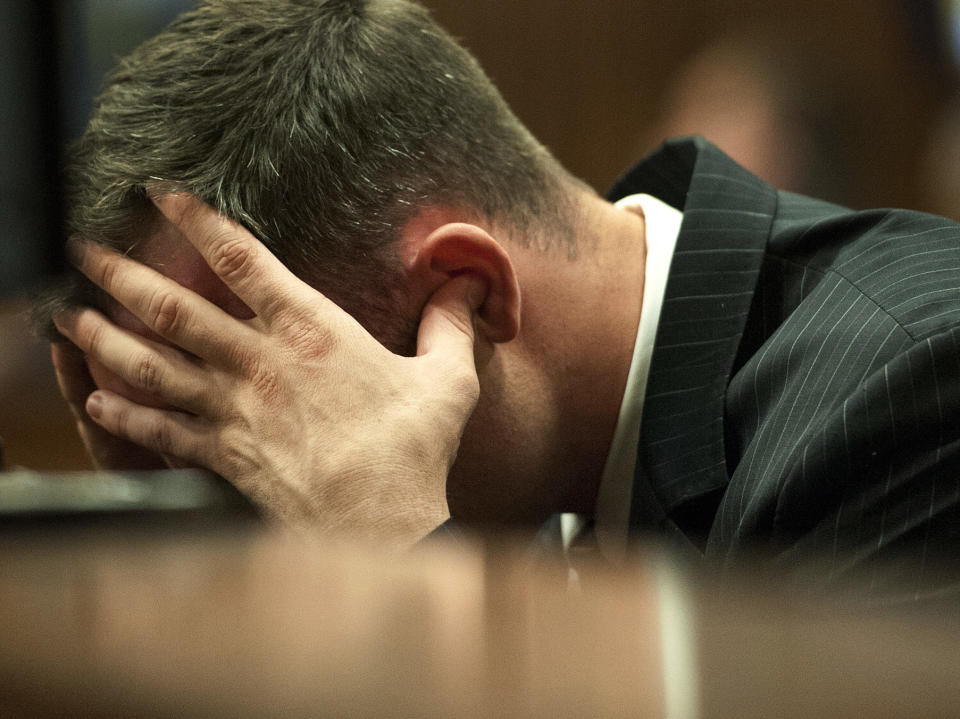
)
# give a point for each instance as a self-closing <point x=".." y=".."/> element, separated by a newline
<point x="801" y="397"/>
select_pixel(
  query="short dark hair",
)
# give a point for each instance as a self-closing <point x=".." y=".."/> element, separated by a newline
<point x="320" y="125"/>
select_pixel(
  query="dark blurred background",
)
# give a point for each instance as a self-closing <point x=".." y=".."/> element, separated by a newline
<point x="852" y="101"/>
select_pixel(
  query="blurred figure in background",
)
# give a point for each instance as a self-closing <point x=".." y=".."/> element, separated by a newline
<point x="764" y="100"/>
<point x="936" y="40"/>
<point x="940" y="168"/>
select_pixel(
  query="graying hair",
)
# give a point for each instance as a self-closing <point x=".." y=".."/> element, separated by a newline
<point x="320" y="125"/>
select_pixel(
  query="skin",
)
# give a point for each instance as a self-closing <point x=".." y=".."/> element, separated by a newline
<point x="504" y="416"/>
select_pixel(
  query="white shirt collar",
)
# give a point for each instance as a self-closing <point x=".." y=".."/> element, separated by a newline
<point x="612" y="514"/>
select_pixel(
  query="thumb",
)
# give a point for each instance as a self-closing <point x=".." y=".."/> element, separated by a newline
<point x="446" y="325"/>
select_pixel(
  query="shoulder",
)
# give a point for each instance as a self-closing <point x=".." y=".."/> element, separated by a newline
<point x="906" y="263"/>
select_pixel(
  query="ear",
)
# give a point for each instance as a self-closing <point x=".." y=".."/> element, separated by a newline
<point x="457" y="247"/>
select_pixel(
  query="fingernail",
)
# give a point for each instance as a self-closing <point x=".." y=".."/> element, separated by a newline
<point x="66" y="315"/>
<point x="76" y="248"/>
<point x="157" y="197"/>
<point x="60" y="320"/>
<point x="95" y="405"/>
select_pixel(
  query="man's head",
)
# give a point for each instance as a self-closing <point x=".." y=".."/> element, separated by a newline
<point x="371" y="154"/>
<point x="323" y="126"/>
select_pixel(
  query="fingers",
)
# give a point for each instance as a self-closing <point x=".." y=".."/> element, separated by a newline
<point x="173" y="312"/>
<point x="144" y="365"/>
<point x="248" y="268"/>
<point x="76" y="384"/>
<point x="73" y="377"/>
<point x="166" y="432"/>
<point x="446" y="327"/>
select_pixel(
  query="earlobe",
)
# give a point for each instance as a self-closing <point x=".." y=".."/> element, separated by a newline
<point x="456" y="248"/>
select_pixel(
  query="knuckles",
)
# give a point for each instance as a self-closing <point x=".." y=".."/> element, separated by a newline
<point x="309" y="340"/>
<point x="166" y="312"/>
<point x="266" y="385"/>
<point x="105" y="273"/>
<point x="117" y="422"/>
<point x="92" y="335"/>
<point x="232" y="258"/>
<point x="147" y="373"/>
<point x="159" y="437"/>
<point x="260" y="372"/>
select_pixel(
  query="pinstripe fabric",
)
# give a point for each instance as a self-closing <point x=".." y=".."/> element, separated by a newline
<point x="804" y="395"/>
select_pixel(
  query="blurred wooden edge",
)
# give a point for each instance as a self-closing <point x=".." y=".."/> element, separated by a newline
<point x="270" y="624"/>
<point x="763" y="653"/>
<point x="260" y="623"/>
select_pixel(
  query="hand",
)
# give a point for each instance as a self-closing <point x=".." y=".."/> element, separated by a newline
<point x="299" y="407"/>
<point x="106" y="451"/>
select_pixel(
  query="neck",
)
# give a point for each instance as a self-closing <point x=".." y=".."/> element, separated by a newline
<point x="598" y="323"/>
<point x="580" y="317"/>
<point x="549" y="400"/>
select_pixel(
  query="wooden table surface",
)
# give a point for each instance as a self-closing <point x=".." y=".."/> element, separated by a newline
<point x="246" y="622"/>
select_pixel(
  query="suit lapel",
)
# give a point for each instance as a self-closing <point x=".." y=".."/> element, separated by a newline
<point x="728" y="213"/>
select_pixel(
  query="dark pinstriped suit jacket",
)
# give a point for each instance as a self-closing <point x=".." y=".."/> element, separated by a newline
<point x="804" y="393"/>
